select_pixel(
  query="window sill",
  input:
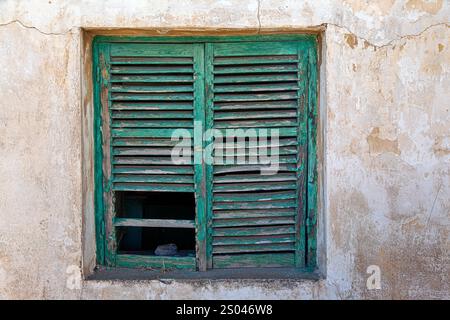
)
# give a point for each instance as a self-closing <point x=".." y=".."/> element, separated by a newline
<point x="126" y="274"/>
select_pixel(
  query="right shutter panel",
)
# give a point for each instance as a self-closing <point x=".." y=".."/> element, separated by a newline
<point x="256" y="219"/>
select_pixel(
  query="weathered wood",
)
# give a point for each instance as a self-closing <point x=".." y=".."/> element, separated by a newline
<point x="142" y="261"/>
<point x="173" y="170"/>
<point x="151" y="97"/>
<point x="252" y="78"/>
<point x="153" y="78"/>
<point x="267" y="260"/>
<point x="254" y="213"/>
<point x="253" y="231"/>
<point x="232" y="88"/>
<point x="153" y="187"/>
<point x="267" y="221"/>
<point x="145" y="133"/>
<point x="257" y="196"/>
<point x="249" y="105"/>
<point x="144" y="114"/>
<point x="255" y="115"/>
<point x="153" y="178"/>
<point x="240" y="248"/>
<point x="277" y="204"/>
<point x="278" y="68"/>
<point x="152" y="69"/>
<point x="152" y="106"/>
<point x="253" y="240"/>
<point x="271" y="59"/>
<point x="243" y="187"/>
<point x="151" y="88"/>
<point x="154" y="223"/>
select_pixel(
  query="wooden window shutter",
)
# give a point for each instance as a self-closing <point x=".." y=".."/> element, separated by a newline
<point x="151" y="91"/>
<point x="258" y="220"/>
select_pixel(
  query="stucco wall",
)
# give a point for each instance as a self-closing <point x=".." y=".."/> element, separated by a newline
<point x="385" y="102"/>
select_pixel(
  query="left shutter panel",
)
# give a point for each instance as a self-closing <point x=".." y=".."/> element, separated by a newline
<point x="151" y="96"/>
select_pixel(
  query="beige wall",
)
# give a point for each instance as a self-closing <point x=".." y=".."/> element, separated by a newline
<point x="386" y="136"/>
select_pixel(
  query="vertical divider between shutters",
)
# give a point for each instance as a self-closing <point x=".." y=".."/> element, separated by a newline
<point x="209" y="59"/>
<point x="311" y="222"/>
<point x="302" y="110"/>
<point x="98" y="157"/>
<point x="199" y="163"/>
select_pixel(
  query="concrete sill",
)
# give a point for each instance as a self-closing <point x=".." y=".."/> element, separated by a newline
<point x="125" y="274"/>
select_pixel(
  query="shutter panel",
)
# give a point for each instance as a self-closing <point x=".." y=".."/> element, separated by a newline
<point x="257" y="219"/>
<point x="152" y="91"/>
<point x="151" y="95"/>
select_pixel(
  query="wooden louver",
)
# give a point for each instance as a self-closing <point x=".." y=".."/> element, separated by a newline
<point x="152" y="95"/>
<point x="147" y="90"/>
<point x="256" y="218"/>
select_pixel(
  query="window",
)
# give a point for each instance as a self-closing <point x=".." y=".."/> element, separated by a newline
<point x="205" y="152"/>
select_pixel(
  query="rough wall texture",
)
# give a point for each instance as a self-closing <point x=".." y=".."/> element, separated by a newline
<point x="386" y="135"/>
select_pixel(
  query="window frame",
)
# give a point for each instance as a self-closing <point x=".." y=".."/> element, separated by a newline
<point x="102" y="205"/>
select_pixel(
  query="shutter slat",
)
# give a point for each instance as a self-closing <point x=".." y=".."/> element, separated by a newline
<point x="243" y="105"/>
<point x="184" y="78"/>
<point x="153" y="187"/>
<point x="145" y="133"/>
<point x="264" y="186"/>
<point x="163" y="170"/>
<point x="258" y="213"/>
<point x="146" y="142"/>
<point x="252" y="151"/>
<point x="224" y="124"/>
<point x="151" y="69"/>
<point x="255" y="205"/>
<point x="137" y="160"/>
<point x="255" y="115"/>
<point x="274" y="96"/>
<point x="259" y="196"/>
<point x="151" y="97"/>
<point x="222" y="169"/>
<point x="255" y="178"/>
<point x="151" y="88"/>
<point x="153" y="124"/>
<point x="264" y="260"/>
<point x="253" y="240"/>
<point x="254" y="248"/>
<point x="143" y="114"/>
<point x="154" y="106"/>
<point x="218" y="223"/>
<point x="289" y="159"/>
<point x="127" y="178"/>
<point x="255" y="78"/>
<point x="284" y="86"/>
<point x="253" y="231"/>
<point x="280" y="68"/>
<point x="272" y="59"/>
<point x="150" y="60"/>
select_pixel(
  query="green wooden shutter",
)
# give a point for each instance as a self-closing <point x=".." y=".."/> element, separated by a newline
<point x="152" y="94"/>
<point x="257" y="220"/>
<point x="153" y="90"/>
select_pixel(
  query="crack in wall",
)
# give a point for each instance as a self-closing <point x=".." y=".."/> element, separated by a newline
<point x="390" y="42"/>
<point x="258" y="16"/>
<point x="260" y="28"/>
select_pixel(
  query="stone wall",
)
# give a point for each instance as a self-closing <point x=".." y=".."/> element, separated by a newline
<point x="385" y="141"/>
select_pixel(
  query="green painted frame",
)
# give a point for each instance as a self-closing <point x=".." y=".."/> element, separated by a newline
<point x="308" y="43"/>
